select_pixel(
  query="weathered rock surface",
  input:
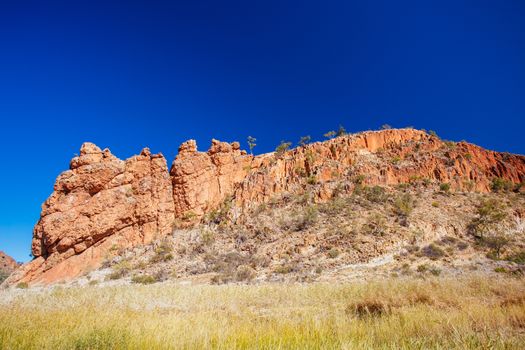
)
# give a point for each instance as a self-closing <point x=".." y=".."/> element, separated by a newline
<point x="103" y="203"/>
<point x="7" y="263"/>
<point x="387" y="157"/>
<point x="202" y="180"/>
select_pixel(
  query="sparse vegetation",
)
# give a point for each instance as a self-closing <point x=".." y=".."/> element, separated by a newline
<point x="251" y="143"/>
<point x="501" y="185"/>
<point x="403" y="207"/>
<point x="333" y="253"/>
<point x="304" y="140"/>
<point x="490" y="213"/>
<point x="144" y="279"/>
<point x="444" y="187"/>
<point x="163" y="252"/>
<point x="281" y="149"/>
<point x="330" y="134"/>
<point x="22" y="285"/>
<point x="341" y="131"/>
<point x="433" y="252"/>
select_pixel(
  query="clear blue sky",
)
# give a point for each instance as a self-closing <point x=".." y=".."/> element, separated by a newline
<point x="155" y="73"/>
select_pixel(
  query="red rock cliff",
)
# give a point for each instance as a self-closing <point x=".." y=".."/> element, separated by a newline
<point x="103" y="203"/>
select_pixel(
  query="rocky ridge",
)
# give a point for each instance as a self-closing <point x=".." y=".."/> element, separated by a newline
<point x="104" y="204"/>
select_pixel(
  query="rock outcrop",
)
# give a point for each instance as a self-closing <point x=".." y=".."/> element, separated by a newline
<point x="7" y="263"/>
<point x="202" y="180"/>
<point x="101" y="204"/>
<point x="104" y="204"/>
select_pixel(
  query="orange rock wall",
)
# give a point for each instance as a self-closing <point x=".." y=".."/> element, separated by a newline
<point x="103" y="203"/>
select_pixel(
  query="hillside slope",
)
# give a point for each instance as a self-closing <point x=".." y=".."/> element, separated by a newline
<point x="352" y="198"/>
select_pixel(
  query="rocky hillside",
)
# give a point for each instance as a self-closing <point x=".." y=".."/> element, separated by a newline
<point x="318" y="207"/>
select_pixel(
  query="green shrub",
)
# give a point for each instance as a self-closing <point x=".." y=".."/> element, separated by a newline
<point x="330" y="134"/>
<point x="403" y="207"/>
<point x="284" y="269"/>
<point x="375" y="225"/>
<point x="341" y="131"/>
<point x="376" y="194"/>
<point x="306" y="219"/>
<point x="244" y="273"/>
<point x="444" y="187"/>
<point x="434" y="271"/>
<point x="281" y="149"/>
<point x="422" y="268"/>
<point x="304" y="140"/>
<point x="144" y="279"/>
<point x="120" y="270"/>
<point x="518" y="258"/>
<point x="163" y="252"/>
<point x="490" y="213"/>
<point x="496" y="243"/>
<point x="433" y="252"/>
<point x="501" y="185"/>
<point x="22" y="285"/>
<point x="333" y="253"/>
<point x="311" y="180"/>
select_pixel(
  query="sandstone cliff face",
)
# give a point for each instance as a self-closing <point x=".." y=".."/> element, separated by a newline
<point x="103" y="203"/>
<point x="202" y="180"/>
<point x="387" y="157"/>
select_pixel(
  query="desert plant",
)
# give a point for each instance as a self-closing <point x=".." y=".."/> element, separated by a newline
<point x="163" y="252"/>
<point x="490" y="213"/>
<point x="284" y="269"/>
<point x="375" y="225"/>
<point x="251" y="143"/>
<point x="144" y="279"/>
<point x="497" y="243"/>
<point x="333" y="253"/>
<point x="120" y="270"/>
<point x="244" y="273"/>
<point x="22" y="285"/>
<point x="304" y="140"/>
<point x="432" y="251"/>
<point x="403" y="207"/>
<point x="341" y="131"/>
<point x="444" y="187"/>
<point x="306" y="219"/>
<point x="518" y="257"/>
<point x="385" y="127"/>
<point x="330" y="134"/>
<point x="376" y="194"/>
<point x="501" y="185"/>
<point x="281" y="149"/>
<point x="396" y="159"/>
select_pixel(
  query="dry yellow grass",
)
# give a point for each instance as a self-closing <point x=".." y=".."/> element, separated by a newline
<point x="442" y="313"/>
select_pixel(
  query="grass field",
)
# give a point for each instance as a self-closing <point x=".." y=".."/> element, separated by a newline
<point x="470" y="313"/>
